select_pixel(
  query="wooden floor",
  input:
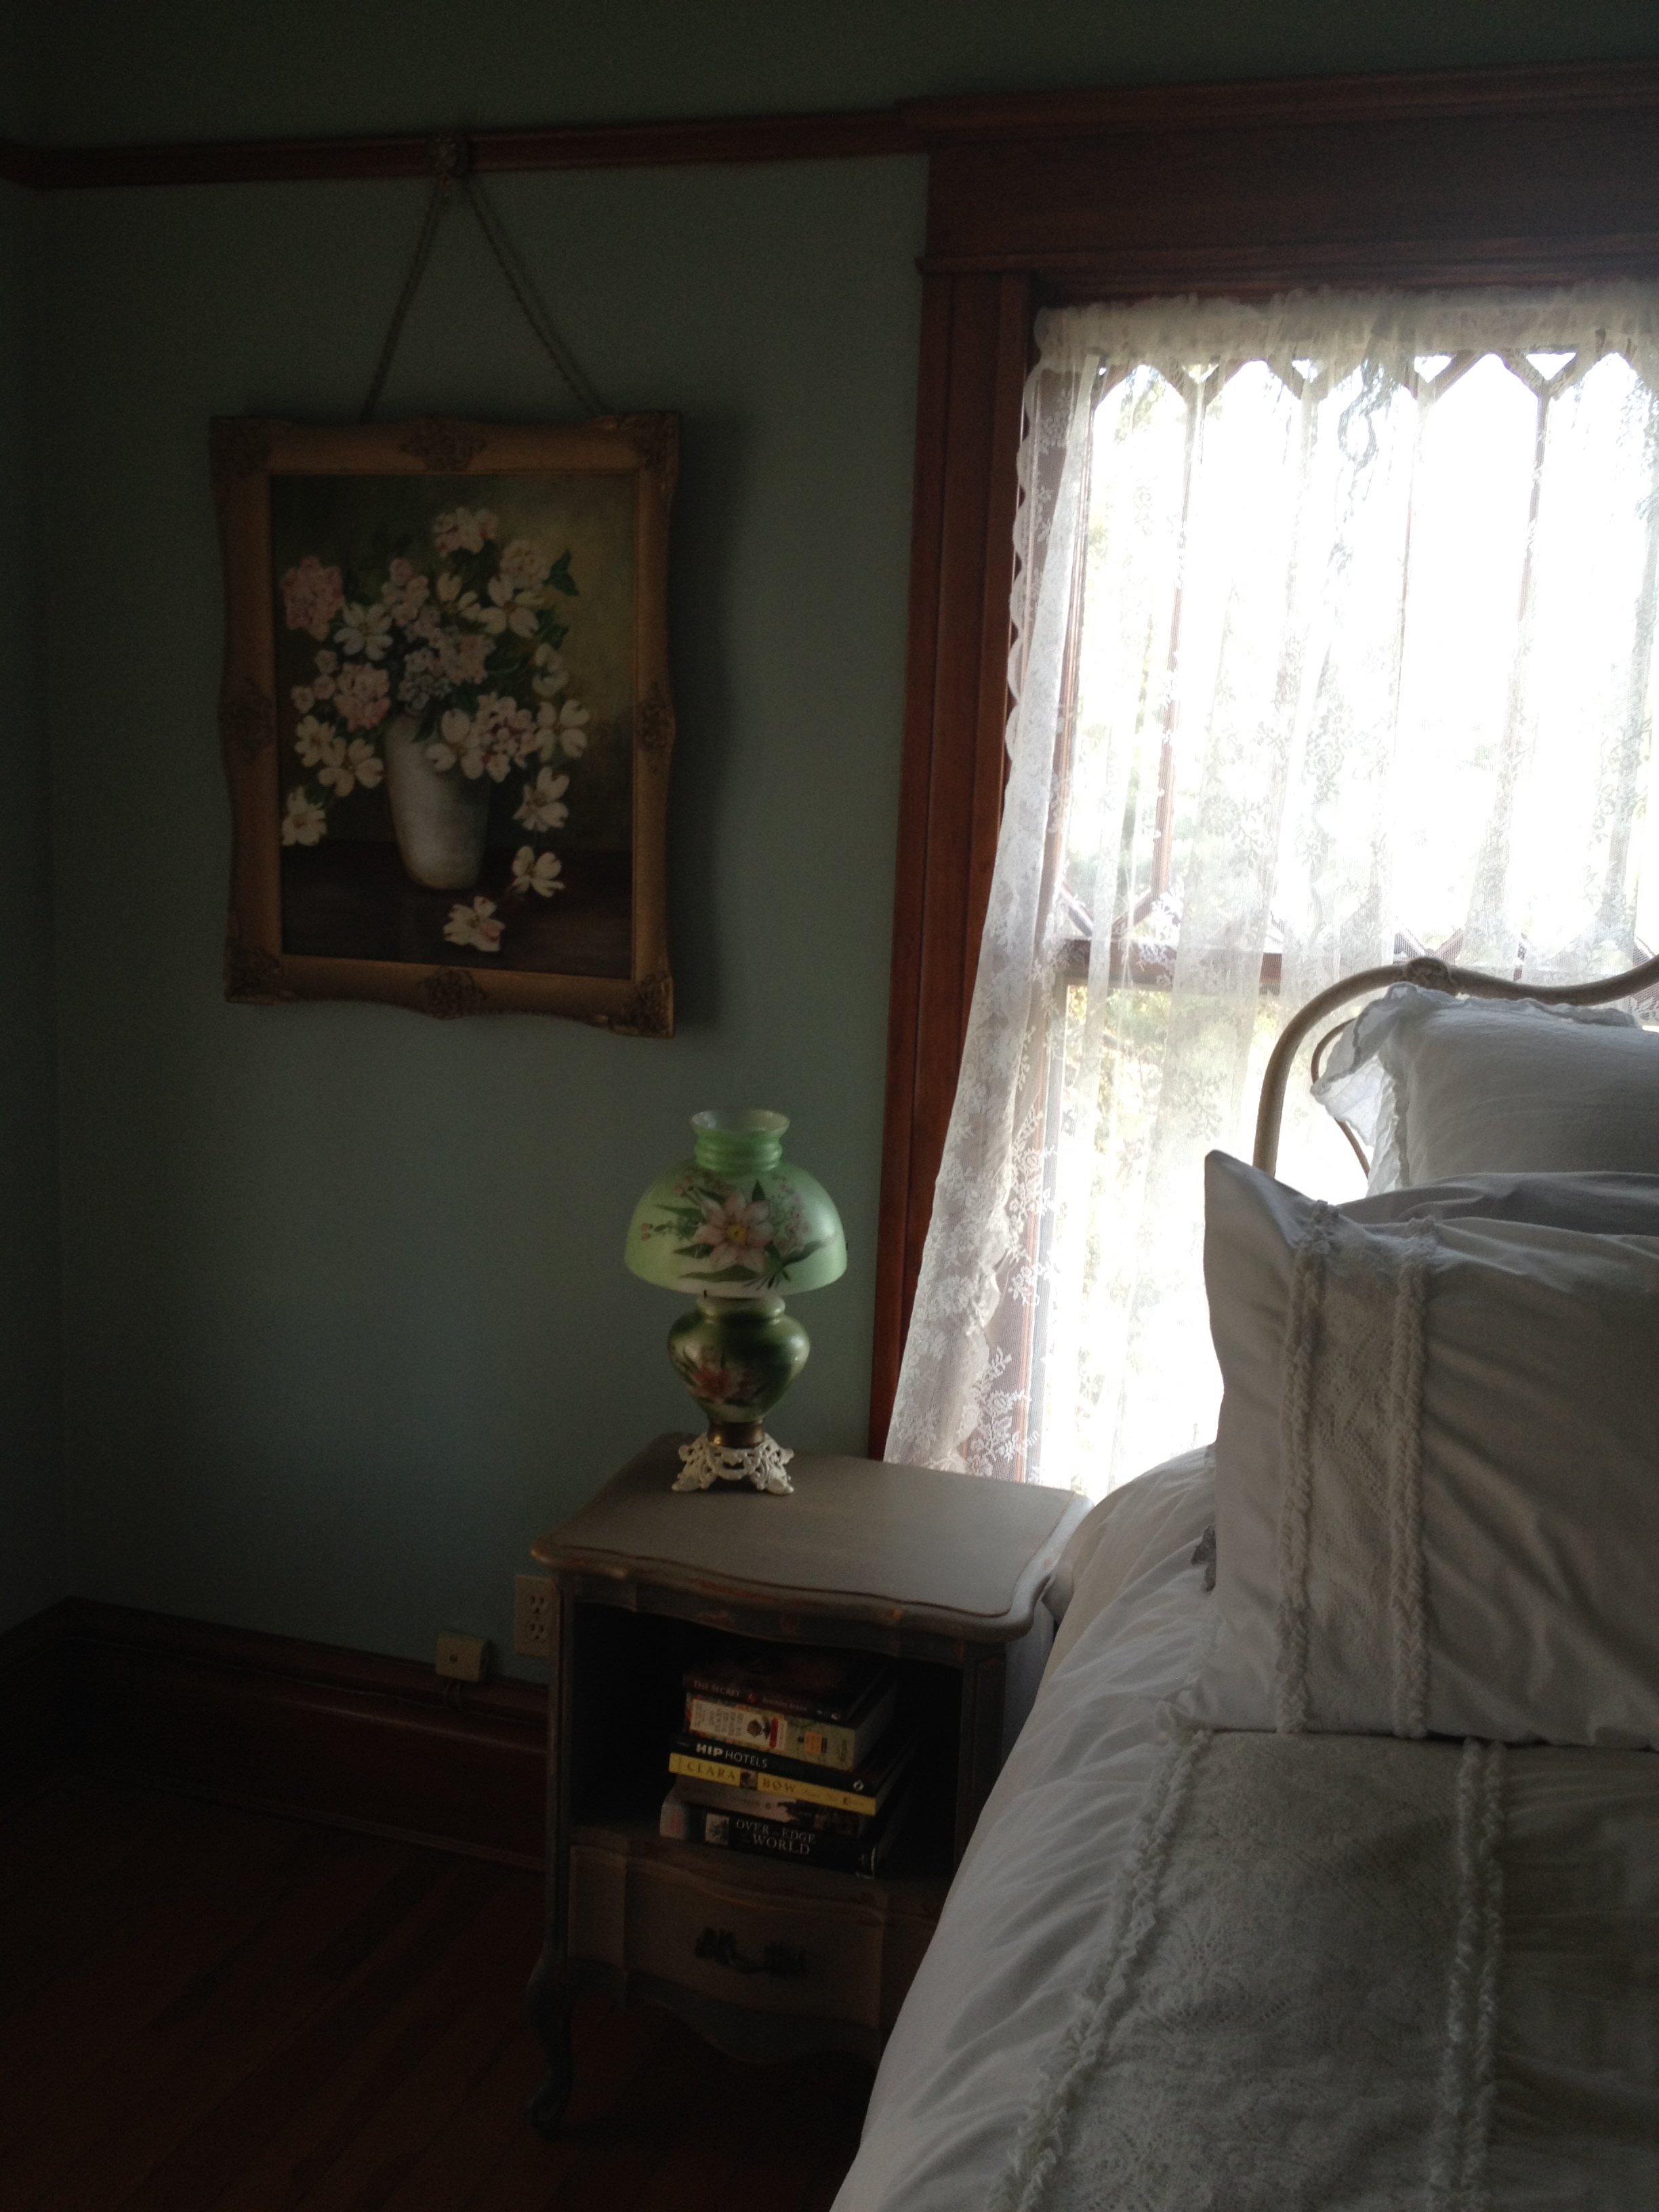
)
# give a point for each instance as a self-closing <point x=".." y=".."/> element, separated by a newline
<point x="208" y="2010"/>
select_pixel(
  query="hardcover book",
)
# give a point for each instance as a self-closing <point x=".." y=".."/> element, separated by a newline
<point x="861" y="1790"/>
<point x="809" y="1682"/>
<point x="788" y="1812"/>
<point x="813" y="1743"/>
<point x="863" y="1853"/>
<point x="814" y="1739"/>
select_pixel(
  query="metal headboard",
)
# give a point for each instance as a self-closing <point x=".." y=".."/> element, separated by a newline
<point x="1433" y="975"/>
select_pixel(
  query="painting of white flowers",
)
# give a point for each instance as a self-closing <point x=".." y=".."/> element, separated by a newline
<point x="446" y="714"/>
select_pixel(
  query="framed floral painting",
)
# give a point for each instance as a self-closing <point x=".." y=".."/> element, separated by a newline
<point x="447" y="716"/>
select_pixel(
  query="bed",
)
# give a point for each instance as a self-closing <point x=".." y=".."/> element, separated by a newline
<point x="1324" y="1875"/>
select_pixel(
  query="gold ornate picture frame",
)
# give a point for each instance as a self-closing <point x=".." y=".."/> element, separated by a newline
<point x="446" y="715"/>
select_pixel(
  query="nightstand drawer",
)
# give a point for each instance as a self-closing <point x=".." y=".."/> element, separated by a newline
<point x="704" y="1931"/>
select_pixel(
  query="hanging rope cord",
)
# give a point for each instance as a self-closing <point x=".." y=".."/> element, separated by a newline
<point x="452" y="174"/>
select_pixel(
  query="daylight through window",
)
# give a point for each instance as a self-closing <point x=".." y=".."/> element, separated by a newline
<point x="1334" y="642"/>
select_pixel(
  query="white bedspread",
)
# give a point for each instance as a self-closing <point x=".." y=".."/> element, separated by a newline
<point x="1025" y="1914"/>
<point x="1083" y="2029"/>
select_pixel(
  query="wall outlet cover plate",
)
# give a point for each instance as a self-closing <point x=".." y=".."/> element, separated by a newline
<point x="464" y="1658"/>
<point x="532" y="1616"/>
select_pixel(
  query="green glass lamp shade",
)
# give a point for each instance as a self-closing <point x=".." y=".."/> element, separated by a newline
<point x="737" y="1220"/>
<point x="737" y="1226"/>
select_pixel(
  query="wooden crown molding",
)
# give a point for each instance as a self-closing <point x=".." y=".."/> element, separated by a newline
<point x="915" y="126"/>
<point x="740" y="139"/>
<point x="1546" y="89"/>
<point x="1516" y="176"/>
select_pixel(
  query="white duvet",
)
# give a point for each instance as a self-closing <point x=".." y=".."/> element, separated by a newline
<point x="998" y="1984"/>
<point x="1476" y="2024"/>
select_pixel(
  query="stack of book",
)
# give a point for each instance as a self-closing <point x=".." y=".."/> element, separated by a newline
<point x="791" y="1753"/>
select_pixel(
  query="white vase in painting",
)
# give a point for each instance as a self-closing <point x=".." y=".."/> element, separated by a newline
<point x="442" y="816"/>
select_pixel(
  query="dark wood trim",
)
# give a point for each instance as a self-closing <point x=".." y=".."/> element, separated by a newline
<point x="917" y="126"/>
<point x="1534" y="176"/>
<point x="1532" y="196"/>
<point x="34" y="1709"/>
<point x="1255" y="272"/>
<point x="349" y="1738"/>
<point x="1530" y="88"/>
<point x="739" y="139"/>
<point x="976" y="349"/>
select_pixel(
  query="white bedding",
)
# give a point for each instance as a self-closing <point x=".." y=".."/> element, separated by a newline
<point x="1000" y="1978"/>
<point x="1023" y="1970"/>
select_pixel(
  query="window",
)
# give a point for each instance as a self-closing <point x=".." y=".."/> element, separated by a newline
<point x="1333" y="641"/>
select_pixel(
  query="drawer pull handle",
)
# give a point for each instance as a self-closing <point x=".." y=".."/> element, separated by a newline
<point x="719" y="1947"/>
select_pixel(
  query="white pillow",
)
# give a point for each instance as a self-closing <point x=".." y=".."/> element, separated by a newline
<point x="1607" y="1204"/>
<point x="1437" y="1473"/>
<point x="1435" y="1087"/>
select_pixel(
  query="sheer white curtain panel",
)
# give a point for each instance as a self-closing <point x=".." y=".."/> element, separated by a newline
<point x="1333" y="641"/>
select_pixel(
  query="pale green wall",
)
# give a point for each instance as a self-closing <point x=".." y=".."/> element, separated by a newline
<point x="20" y="69"/>
<point x="344" y="1286"/>
<point x="346" y="1317"/>
<point x="33" y="1571"/>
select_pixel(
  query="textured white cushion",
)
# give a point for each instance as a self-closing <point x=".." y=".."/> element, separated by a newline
<point x="1436" y="1086"/>
<point x="1437" y="1472"/>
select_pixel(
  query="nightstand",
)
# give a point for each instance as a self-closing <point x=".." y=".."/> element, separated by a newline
<point x="942" y="1572"/>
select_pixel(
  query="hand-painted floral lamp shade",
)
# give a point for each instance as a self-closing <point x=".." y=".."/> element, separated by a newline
<point x="737" y="1226"/>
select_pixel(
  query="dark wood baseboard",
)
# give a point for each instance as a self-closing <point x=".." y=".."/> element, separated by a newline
<point x="33" y="1706"/>
<point x="345" y="1737"/>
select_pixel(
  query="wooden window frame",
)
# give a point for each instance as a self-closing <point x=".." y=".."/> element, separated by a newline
<point x="1534" y="176"/>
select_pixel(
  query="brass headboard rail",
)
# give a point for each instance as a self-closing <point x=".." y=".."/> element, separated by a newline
<point x="1432" y="974"/>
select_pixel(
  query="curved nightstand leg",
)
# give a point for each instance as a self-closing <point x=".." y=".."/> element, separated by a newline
<point x="548" y="2002"/>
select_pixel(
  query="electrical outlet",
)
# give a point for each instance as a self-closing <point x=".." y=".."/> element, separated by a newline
<point x="532" y="1616"/>
<point x="464" y="1658"/>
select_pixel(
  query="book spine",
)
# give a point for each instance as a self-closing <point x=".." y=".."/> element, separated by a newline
<point x="718" y="1798"/>
<point x="743" y="1831"/>
<point x="820" y="1743"/>
<point x="747" y="1755"/>
<point x="773" y="1701"/>
<point x="863" y="1779"/>
<point x="770" y="1785"/>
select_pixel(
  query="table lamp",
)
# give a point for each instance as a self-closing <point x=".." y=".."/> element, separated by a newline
<point x="737" y="1226"/>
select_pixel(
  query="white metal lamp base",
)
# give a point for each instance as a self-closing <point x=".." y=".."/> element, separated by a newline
<point x="707" y="1461"/>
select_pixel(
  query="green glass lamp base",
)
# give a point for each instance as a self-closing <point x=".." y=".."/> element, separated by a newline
<point x="737" y="1357"/>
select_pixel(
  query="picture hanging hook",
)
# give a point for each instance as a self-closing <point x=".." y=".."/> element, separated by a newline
<point x="450" y="153"/>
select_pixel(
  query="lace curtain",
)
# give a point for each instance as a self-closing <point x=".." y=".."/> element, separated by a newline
<point x="1333" y="641"/>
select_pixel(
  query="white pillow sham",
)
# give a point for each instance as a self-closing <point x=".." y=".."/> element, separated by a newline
<point x="1437" y="1473"/>
<point x="1606" y="1205"/>
<point x="1435" y="1087"/>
